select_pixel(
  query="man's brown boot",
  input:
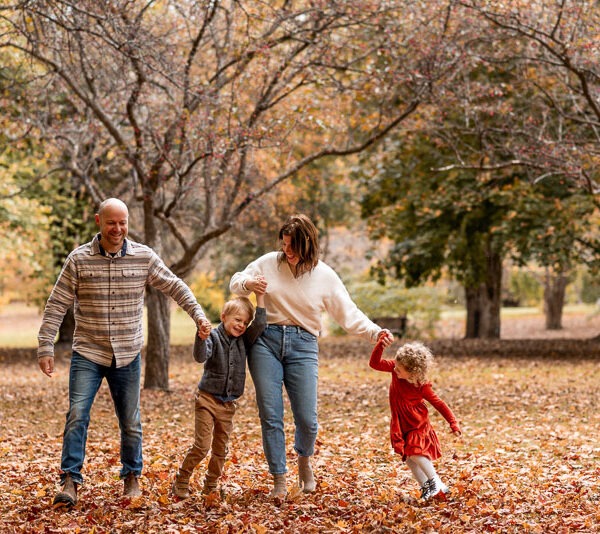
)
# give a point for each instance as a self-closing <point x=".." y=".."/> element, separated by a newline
<point x="67" y="496"/>
<point x="131" y="486"/>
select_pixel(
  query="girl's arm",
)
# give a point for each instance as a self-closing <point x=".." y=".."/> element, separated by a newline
<point x="430" y="396"/>
<point x="376" y="362"/>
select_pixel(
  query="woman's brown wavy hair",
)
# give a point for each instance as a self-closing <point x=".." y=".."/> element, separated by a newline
<point x="304" y="242"/>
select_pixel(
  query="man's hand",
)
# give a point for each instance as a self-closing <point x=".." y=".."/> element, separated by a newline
<point x="47" y="365"/>
<point x="204" y="328"/>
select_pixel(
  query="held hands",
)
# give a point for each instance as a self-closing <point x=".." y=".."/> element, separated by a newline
<point x="47" y="365"/>
<point x="260" y="291"/>
<point x="204" y="328"/>
<point x="258" y="284"/>
<point x="385" y="337"/>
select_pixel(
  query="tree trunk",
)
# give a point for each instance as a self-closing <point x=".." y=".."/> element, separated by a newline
<point x="159" y="337"/>
<point x="554" y="299"/>
<point x="484" y="302"/>
<point x="158" y="306"/>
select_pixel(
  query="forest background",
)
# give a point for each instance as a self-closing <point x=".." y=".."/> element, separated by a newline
<point x="447" y="150"/>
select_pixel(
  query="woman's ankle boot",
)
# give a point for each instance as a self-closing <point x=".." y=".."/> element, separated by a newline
<point x="306" y="479"/>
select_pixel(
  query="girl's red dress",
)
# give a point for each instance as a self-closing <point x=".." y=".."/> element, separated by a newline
<point x="411" y="432"/>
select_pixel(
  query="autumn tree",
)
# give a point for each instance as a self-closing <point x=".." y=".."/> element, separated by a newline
<point x="24" y="219"/>
<point x="497" y="128"/>
<point x="556" y="45"/>
<point x="531" y="106"/>
<point x="553" y="225"/>
<point x="192" y="111"/>
<point x="440" y="223"/>
<point x="39" y="204"/>
<point x="465" y="221"/>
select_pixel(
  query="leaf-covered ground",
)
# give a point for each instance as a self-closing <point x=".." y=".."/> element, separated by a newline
<point x="527" y="461"/>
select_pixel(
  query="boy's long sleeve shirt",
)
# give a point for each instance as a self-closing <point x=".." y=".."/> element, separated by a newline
<point x="224" y="358"/>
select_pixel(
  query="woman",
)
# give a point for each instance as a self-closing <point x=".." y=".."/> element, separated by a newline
<point x="299" y="288"/>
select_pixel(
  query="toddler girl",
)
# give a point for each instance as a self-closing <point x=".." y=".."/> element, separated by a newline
<point x="411" y="432"/>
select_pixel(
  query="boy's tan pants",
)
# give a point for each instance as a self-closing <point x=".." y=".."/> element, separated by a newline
<point x="213" y="426"/>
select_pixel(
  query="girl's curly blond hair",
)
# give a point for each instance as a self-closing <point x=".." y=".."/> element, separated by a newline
<point x="417" y="359"/>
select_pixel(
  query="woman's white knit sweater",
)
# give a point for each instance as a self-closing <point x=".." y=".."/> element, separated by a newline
<point x="302" y="301"/>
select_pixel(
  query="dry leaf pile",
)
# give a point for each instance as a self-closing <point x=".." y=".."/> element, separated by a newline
<point x="527" y="461"/>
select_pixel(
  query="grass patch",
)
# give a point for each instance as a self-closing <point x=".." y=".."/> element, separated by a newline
<point x="528" y="311"/>
<point x="20" y="323"/>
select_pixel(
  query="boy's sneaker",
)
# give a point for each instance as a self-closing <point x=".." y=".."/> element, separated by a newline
<point x="209" y="487"/>
<point x="180" y="488"/>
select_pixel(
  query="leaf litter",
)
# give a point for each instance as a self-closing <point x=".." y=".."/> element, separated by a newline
<point x="527" y="460"/>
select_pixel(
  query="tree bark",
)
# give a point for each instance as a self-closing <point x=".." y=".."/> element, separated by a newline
<point x="158" y="307"/>
<point x="484" y="302"/>
<point x="159" y="337"/>
<point x="554" y="299"/>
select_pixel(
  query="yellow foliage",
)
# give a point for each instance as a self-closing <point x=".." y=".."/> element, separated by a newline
<point x="209" y="293"/>
<point x="23" y="236"/>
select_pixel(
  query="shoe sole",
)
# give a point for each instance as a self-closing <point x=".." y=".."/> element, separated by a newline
<point x="64" y="502"/>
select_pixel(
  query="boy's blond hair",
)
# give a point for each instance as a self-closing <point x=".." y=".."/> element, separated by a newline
<point x="239" y="304"/>
<point x="417" y="359"/>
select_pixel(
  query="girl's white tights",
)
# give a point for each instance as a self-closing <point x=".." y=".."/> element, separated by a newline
<point x="421" y="468"/>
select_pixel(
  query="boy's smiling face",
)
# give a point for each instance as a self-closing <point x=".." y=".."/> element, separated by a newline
<point x="236" y="322"/>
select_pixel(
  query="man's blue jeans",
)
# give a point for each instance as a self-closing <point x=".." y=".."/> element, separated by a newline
<point x="85" y="378"/>
<point x="285" y="356"/>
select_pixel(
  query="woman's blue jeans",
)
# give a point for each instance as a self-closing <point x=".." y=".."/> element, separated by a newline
<point x="85" y="378"/>
<point x="285" y="356"/>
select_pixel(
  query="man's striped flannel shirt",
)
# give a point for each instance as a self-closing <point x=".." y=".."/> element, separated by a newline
<point x="108" y="293"/>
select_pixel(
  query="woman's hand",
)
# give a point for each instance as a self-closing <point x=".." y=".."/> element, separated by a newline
<point x="258" y="284"/>
<point x="385" y="337"/>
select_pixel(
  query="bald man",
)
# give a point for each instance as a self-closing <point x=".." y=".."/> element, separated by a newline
<point x="105" y="280"/>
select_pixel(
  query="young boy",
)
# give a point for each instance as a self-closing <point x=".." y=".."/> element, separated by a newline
<point x="224" y="357"/>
